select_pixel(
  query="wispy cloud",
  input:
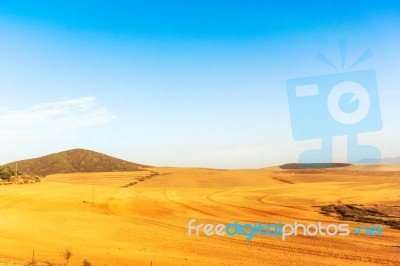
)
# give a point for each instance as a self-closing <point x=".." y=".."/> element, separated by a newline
<point x="51" y="120"/>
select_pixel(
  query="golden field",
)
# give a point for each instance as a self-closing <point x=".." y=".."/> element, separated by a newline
<point x="100" y="218"/>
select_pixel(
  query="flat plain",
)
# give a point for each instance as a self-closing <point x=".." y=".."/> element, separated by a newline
<point x="141" y="217"/>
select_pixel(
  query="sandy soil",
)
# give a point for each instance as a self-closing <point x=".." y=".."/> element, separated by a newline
<point x="147" y="222"/>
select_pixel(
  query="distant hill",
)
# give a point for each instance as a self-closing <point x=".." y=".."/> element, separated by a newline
<point x="391" y="160"/>
<point x="72" y="161"/>
<point x="313" y="165"/>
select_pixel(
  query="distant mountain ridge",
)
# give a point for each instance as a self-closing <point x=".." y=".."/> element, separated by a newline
<point x="391" y="160"/>
<point x="73" y="161"/>
<point x="312" y="165"/>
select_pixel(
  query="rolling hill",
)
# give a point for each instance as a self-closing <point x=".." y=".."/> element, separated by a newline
<point x="73" y="161"/>
<point x="312" y="165"/>
<point x="391" y="161"/>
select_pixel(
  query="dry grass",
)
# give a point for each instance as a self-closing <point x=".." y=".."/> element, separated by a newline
<point x="148" y="221"/>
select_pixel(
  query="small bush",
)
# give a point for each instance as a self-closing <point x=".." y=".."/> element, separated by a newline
<point x="67" y="255"/>
<point x="6" y="172"/>
<point x="86" y="263"/>
<point x="5" y="175"/>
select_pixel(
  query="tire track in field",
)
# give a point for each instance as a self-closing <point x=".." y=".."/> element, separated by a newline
<point x="118" y="208"/>
<point x="253" y="211"/>
<point x="188" y="206"/>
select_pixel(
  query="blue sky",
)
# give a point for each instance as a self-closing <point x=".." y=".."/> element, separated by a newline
<point x="181" y="83"/>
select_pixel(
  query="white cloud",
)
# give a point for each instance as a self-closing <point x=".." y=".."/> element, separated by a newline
<point x="51" y="120"/>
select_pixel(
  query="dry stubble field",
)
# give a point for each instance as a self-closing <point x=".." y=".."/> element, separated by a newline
<point x="146" y="222"/>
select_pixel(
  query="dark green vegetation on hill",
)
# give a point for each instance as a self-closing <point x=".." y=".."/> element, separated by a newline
<point x="73" y="161"/>
<point x="5" y="172"/>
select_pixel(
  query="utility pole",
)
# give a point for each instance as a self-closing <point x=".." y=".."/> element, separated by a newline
<point x="16" y="169"/>
<point x="93" y="194"/>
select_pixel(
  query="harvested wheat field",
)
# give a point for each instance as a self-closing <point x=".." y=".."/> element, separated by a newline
<point x="141" y="218"/>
